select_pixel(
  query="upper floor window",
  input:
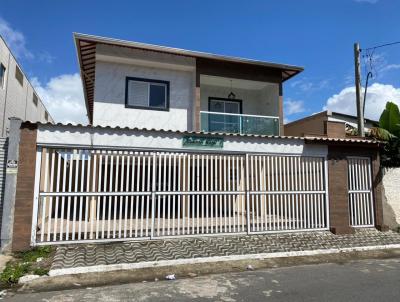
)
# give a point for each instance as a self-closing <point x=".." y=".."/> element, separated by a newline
<point x="46" y="116"/>
<point x="35" y="99"/>
<point x="147" y="94"/>
<point x="19" y="75"/>
<point x="2" y="75"/>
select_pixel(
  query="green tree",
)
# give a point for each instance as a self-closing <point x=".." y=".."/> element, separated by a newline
<point x="389" y="131"/>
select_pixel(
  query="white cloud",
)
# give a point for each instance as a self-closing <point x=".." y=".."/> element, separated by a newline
<point x="15" y="40"/>
<point x="377" y="96"/>
<point x="292" y="107"/>
<point x="63" y="98"/>
<point x="307" y="85"/>
<point x="391" y="67"/>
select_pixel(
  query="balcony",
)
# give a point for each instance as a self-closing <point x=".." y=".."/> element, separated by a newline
<point x="238" y="123"/>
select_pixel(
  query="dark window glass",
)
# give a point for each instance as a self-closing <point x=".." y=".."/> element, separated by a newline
<point x="19" y="76"/>
<point x="157" y="96"/>
<point x="35" y="99"/>
<point x="2" y="75"/>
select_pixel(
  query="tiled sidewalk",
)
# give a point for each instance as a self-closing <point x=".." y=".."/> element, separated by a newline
<point x="187" y="248"/>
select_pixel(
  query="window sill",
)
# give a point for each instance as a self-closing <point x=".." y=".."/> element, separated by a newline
<point x="146" y="108"/>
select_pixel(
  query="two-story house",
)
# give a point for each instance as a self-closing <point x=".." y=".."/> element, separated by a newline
<point x="149" y="86"/>
<point x="185" y="143"/>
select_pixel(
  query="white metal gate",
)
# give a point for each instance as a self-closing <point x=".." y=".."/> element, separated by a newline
<point x="360" y="192"/>
<point x="287" y="193"/>
<point x="104" y="195"/>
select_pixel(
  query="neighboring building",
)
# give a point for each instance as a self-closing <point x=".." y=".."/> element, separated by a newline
<point x="18" y="98"/>
<point x="326" y="123"/>
<point x="183" y="143"/>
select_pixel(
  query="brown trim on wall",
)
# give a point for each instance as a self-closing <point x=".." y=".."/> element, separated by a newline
<point x="238" y="70"/>
<point x="25" y="188"/>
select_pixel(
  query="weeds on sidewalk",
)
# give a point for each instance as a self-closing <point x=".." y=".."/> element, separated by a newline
<point x="36" y="261"/>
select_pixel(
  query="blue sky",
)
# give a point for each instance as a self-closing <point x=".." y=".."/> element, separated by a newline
<point x="317" y="35"/>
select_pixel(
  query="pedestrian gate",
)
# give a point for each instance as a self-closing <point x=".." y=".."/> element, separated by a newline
<point x="105" y="195"/>
<point x="360" y="192"/>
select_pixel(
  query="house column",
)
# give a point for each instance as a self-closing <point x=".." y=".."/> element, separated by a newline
<point x="339" y="214"/>
<point x="25" y="188"/>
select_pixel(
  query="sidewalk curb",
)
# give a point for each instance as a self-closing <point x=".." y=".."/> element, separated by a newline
<point x="149" y="271"/>
<point x="161" y="263"/>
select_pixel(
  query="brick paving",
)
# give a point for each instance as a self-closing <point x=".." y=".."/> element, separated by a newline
<point x="81" y="255"/>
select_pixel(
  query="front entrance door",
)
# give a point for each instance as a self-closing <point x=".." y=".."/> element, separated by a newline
<point x="227" y="115"/>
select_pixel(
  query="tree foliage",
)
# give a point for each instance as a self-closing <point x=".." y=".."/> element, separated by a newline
<point x="390" y="119"/>
<point x="389" y="131"/>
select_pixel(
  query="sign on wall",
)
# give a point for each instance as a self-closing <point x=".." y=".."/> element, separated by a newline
<point x="202" y="142"/>
<point x="12" y="166"/>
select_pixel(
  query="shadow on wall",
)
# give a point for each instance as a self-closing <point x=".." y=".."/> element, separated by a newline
<point x="391" y="197"/>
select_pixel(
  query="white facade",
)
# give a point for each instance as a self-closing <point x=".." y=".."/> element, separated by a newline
<point x="114" y="64"/>
<point x="16" y="100"/>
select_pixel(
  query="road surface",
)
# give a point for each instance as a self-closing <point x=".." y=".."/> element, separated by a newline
<point x="366" y="280"/>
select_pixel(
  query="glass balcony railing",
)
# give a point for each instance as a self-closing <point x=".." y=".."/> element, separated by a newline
<point x="239" y="123"/>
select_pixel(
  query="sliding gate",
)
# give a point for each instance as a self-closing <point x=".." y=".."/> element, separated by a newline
<point x="106" y="195"/>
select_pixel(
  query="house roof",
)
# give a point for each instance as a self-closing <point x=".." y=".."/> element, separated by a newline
<point x="330" y="113"/>
<point x="307" y="139"/>
<point x="86" y="52"/>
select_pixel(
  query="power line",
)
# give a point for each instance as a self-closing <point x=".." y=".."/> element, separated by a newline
<point x="382" y="45"/>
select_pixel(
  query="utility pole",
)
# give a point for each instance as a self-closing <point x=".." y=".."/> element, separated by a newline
<point x="359" y="101"/>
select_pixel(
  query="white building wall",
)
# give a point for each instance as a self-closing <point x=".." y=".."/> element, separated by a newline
<point x="153" y="140"/>
<point x="391" y="198"/>
<point x="113" y="65"/>
<point x="16" y="100"/>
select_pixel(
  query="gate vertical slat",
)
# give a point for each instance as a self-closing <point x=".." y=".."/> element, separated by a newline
<point x="57" y="198"/>
<point x="51" y="198"/>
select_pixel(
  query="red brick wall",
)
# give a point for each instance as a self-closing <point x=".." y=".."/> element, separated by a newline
<point x="313" y="125"/>
<point x="335" y="129"/>
<point x="25" y="189"/>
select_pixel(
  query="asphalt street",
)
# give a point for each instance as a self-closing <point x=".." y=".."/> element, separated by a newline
<point x="366" y="280"/>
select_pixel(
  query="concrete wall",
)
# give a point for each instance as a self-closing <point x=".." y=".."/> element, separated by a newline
<point x="391" y="197"/>
<point x="114" y="64"/>
<point x="135" y="139"/>
<point x="17" y="100"/>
